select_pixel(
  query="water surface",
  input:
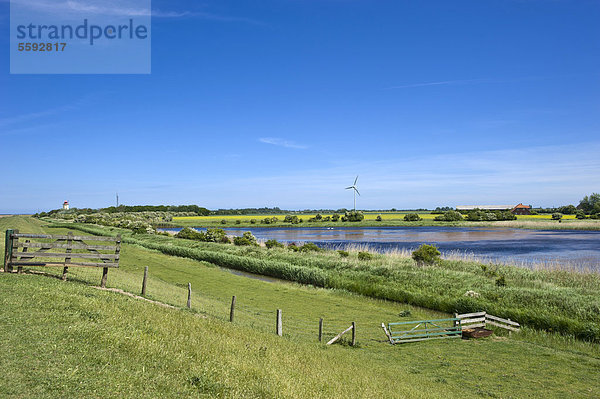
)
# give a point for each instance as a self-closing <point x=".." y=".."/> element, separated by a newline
<point x="577" y="248"/>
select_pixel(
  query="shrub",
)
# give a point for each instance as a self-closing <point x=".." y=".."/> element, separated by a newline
<point x="379" y="219"/>
<point x="404" y="313"/>
<point x="557" y="216"/>
<point x="310" y="247"/>
<point x="426" y="255"/>
<point x="246" y="239"/>
<point x="225" y="240"/>
<point x="252" y="221"/>
<point x="343" y="254"/>
<point x="412" y="217"/>
<point x="190" y="234"/>
<point x="353" y="216"/>
<point x="449" y="216"/>
<point x="293" y="219"/>
<point x="274" y="244"/>
<point x="501" y="281"/>
<point x="318" y="216"/>
<point x="214" y="235"/>
<point x="327" y="219"/>
<point x="293" y="247"/>
<point x="223" y="221"/>
<point x="238" y="221"/>
<point x="580" y="214"/>
<point x="335" y="217"/>
<point x="365" y="255"/>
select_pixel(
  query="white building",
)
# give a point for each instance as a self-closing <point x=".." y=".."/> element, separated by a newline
<point x="66" y="205"/>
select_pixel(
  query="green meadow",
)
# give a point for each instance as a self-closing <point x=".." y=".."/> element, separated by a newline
<point x="69" y="339"/>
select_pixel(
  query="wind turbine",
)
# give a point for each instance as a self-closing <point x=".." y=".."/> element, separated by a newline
<point x="353" y="187"/>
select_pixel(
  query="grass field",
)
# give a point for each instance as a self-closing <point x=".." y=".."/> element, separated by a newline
<point x="69" y="339"/>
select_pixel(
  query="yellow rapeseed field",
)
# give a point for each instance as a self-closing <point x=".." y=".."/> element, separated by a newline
<point x="368" y="216"/>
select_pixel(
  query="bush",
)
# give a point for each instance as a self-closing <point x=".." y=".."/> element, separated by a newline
<point x="274" y="244"/>
<point x="580" y="214"/>
<point x="214" y="235"/>
<point x="449" y="216"/>
<point x="365" y="256"/>
<point x="246" y="239"/>
<point x="190" y="234"/>
<point x="293" y="219"/>
<point x="379" y="219"/>
<point x="293" y="247"/>
<point x="426" y="255"/>
<point x="478" y="215"/>
<point x="252" y="221"/>
<point x="335" y="217"/>
<point x="223" y="221"/>
<point x="404" y="313"/>
<point x="412" y="217"/>
<point x="353" y="216"/>
<point x="343" y="254"/>
<point x="238" y="221"/>
<point x="310" y="247"/>
<point x="557" y="216"/>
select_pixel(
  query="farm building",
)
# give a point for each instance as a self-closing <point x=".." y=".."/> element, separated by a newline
<point x="66" y="205"/>
<point x="519" y="209"/>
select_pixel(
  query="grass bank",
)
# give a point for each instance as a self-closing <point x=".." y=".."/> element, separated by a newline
<point x="563" y="301"/>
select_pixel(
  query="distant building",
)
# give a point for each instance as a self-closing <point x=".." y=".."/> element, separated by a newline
<point x="514" y="209"/>
<point x="66" y="205"/>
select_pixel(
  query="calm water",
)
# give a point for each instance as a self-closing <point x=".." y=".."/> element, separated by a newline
<point x="577" y="248"/>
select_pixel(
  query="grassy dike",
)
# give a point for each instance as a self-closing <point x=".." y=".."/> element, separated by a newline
<point x="69" y="339"/>
<point x="551" y="300"/>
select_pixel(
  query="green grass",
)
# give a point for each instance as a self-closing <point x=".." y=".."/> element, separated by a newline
<point x="71" y="340"/>
<point x="552" y="300"/>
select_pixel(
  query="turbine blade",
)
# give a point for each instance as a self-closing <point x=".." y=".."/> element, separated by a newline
<point x="348" y="188"/>
<point x="355" y="180"/>
<point x="356" y="191"/>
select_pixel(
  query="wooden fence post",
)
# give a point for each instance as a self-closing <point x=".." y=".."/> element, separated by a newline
<point x="67" y="259"/>
<point x="20" y="268"/>
<point x="279" y="327"/>
<point x="454" y="323"/>
<point x="353" y="333"/>
<point x="144" y="281"/>
<point x="189" y="302"/>
<point x="8" y="246"/>
<point x="321" y="329"/>
<point x="232" y="311"/>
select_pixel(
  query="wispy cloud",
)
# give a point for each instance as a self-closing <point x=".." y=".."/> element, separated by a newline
<point x="282" y="143"/>
<point x="459" y="82"/>
<point x="441" y="83"/>
<point x="123" y="8"/>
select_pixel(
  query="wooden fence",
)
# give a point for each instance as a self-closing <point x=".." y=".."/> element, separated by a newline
<point x="61" y="251"/>
<point x="482" y="319"/>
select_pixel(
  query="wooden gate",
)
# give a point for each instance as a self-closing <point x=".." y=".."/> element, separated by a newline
<point x="61" y="251"/>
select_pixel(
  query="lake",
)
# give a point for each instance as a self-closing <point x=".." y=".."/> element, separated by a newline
<point x="576" y="248"/>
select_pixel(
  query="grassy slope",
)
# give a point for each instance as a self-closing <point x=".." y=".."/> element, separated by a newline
<point x="113" y="343"/>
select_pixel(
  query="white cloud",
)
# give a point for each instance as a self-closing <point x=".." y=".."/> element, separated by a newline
<point x="282" y="143"/>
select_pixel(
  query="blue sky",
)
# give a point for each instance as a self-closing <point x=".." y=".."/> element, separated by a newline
<point x="283" y="102"/>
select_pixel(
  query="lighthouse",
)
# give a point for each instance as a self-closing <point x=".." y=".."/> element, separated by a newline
<point x="66" y="205"/>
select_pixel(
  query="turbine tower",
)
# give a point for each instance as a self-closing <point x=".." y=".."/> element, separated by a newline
<point x="353" y="187"/>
